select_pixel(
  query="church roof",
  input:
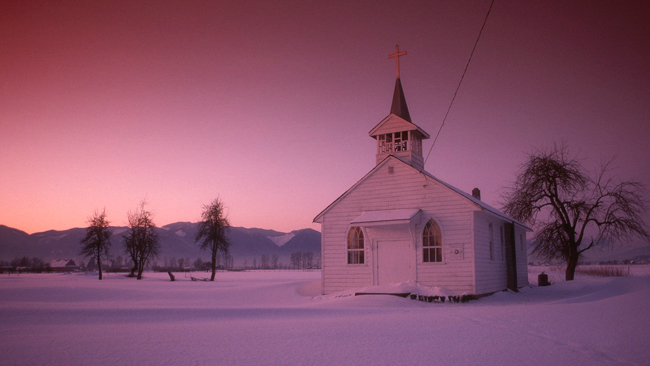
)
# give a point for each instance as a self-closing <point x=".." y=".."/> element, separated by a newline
<point x="393" y="123"/>
<point x="62" y="263"/>
<point x="399" y="107"/>
<point x="469" y="197"/>
<point x="399" y="118"/>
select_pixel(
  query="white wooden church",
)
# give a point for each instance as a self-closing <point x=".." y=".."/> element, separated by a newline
<point x="399" y="223"/>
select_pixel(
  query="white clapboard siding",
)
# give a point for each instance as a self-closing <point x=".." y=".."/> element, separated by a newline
<point x="404" y="188"/>
<point x="393" y="185"/>
<point x="491" y="275"/>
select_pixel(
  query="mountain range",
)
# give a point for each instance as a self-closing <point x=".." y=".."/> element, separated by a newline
<point x="176" y="240"/>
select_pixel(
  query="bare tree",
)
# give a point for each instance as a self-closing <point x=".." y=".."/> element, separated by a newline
<point x="97" y="239"/>
<point x="274" y="261"/>
<point x="229" y="261"/>
<point x="198" y="264"/>
<point x="264" y="261"/>
<point x="308" y="259"/>
<point x="571" y="211"/>
<point x="297" y="259"/>
<point x="212" y="231"/>
<point x="141" y="241"/>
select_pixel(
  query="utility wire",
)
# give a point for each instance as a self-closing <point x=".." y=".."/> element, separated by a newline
<point x="460" y="82"/>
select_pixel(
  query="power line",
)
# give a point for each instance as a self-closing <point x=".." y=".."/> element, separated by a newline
<point x="460" y="82"/>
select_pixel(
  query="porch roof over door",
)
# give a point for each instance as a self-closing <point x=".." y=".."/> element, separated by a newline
<point x="387" y="217"/>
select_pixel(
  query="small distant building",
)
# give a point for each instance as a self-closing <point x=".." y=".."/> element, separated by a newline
<point x="63" y="265"/>
<point x="400" y="223"/>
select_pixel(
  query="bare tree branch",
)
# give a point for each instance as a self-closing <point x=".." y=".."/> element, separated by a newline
<point x="553" y="184"/>
<point x="97" y="239"/>
<point x="212" y="231"/>
<point x="141" y="241"/>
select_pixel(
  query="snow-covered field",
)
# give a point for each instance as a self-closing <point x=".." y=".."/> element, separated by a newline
<point x="278" y="318"/>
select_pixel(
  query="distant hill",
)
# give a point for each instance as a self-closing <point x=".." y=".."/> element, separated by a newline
<point x="636" y="252"/>
<point x="177" y="240"/>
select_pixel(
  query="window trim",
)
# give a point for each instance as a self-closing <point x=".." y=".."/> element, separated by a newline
<point x="355" y="233"/>
<point x="436" y="249"/>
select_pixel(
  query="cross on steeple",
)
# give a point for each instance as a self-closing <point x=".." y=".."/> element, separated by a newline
<point x="397" y="54"/>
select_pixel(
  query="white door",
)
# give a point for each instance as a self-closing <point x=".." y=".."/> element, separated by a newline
<point x="394" y="261"/>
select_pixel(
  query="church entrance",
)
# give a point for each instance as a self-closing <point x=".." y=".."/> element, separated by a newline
<point x="394" y="261"/>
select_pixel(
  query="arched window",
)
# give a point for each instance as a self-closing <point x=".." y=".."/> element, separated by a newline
<point x="431" y="243"/>
<point x="355" y="246"/>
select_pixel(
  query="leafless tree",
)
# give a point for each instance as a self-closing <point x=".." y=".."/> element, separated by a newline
<point x="298" y="259"/>
<point x="97" y="239"/>
<point x="308" y="259"/>
<point x="570" y="211"/>
<point x="141" y="241"/>
<point x="212" y="231"/>
<point x="229" y="261"/>
<point x="264" y="261"/>
<point x="274" y="261"/>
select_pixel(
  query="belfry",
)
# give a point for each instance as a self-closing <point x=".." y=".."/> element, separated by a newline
<point x="396" y="134"/>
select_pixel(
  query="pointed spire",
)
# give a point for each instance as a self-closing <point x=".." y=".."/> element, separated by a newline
<point x="399" y="107"/>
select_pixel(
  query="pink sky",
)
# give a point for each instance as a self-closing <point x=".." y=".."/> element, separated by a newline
<point x="268" y="105"/>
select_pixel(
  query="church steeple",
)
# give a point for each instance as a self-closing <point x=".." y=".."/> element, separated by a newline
<point x="396" y="134"/>
<point x="399" y="107"/>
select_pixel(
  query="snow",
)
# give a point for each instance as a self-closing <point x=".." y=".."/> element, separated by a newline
<point x="180" y="233"/>
<point x="118" y="231"/>
<point x="281" y="240"/>
<point x="279" y="318"/>
<point x="402" y="215"/>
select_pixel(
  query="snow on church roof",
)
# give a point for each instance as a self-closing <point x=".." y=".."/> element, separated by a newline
<point x="386" y="217"/>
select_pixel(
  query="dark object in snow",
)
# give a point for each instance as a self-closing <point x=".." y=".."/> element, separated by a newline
<point x="199" y="279"/>
<point x="467" y="298"/>
<point x="171" y="276"/>
<point x="442" y="299"/>
<point x="542" y="280"/>
<point x="399" y="294"/>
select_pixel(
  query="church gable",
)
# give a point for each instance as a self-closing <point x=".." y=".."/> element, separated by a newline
<point x="393" y="204"/>
<point x="394" y="184"/>
<point x="393" y="123"/>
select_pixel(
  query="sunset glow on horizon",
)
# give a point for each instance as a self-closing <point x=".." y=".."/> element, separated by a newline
<point x="267" y="105"/>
